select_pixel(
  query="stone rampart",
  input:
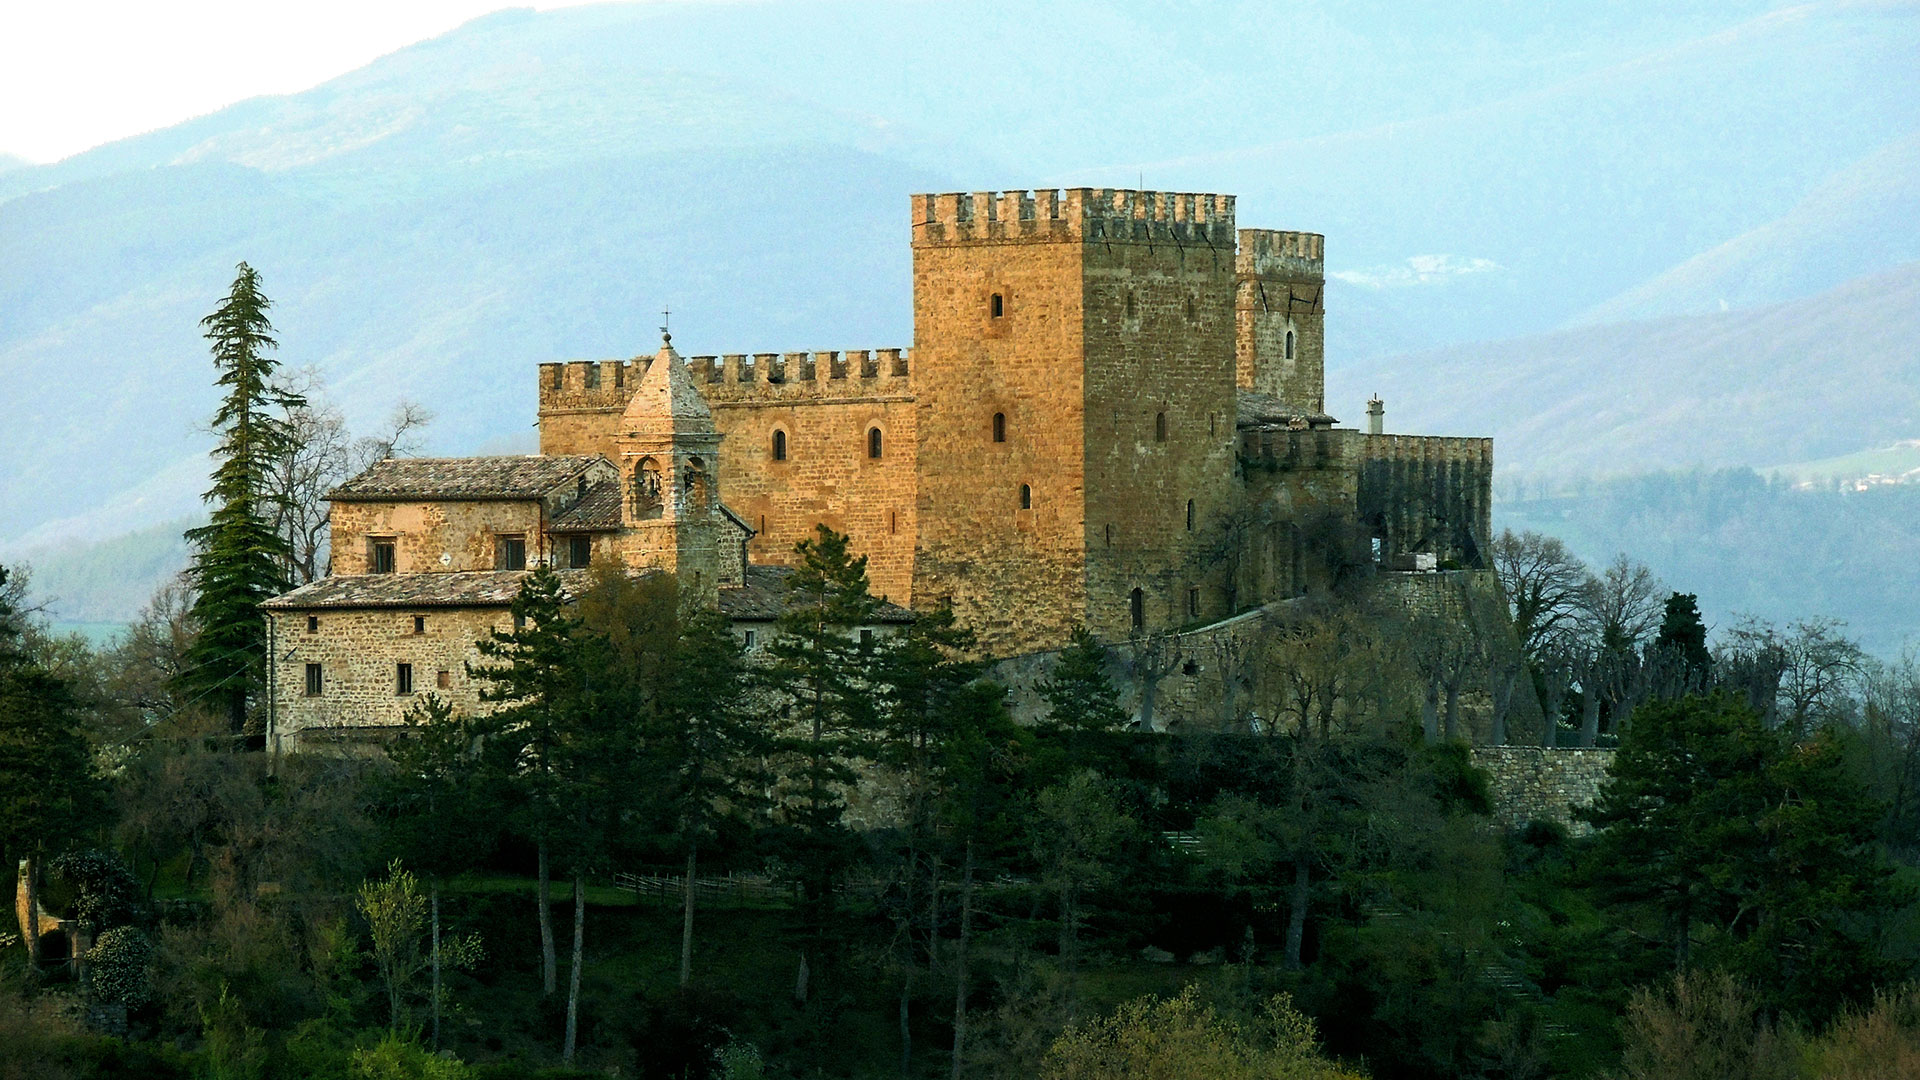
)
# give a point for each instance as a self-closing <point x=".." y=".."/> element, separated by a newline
<point x="1532" y="783"/>
<point x="1076" y="214"/>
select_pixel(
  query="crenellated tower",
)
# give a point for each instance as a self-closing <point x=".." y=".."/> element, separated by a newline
<point x="668" y="454"/>
<point x="1074" y="378"/>
<point x="1280" y="317"/>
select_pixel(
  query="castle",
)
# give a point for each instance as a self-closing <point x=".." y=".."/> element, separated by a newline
<point x="1112" y="414"/>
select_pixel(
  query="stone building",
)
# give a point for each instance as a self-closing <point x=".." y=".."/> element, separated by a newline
<point x="1112" y="414"/>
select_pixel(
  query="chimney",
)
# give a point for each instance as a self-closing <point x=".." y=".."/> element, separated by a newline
<point x="1376" y="416"/>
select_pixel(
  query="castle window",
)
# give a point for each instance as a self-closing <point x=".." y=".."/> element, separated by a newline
<point x="893" y="521"/>
<point x="999" y="427"/>
<point x="1289" y="347"/>
<point x="313" y="624"/>
<point x="873" y="442"/>
<point x="697" y="482"/>
<point x="443" y="679"/>
<point x="1137" y="609"/>
<point x="646" y="489"/>
<point x="1159" y="427"/>
<point x="579" y="551"/>
<point x="1130" y="308"/>
<point x="382" y="560"/>
<point x="866" y="638"/>
<point x="1193" y="604"/>
<point x="779" y="446"/>
<point x="1026" y="497"/>
<point x="402" y="679"/>
<point x="998" y="305"/>
<point x="1191" y="317"/>
<point x="419" y="624"/>
<point x="509" y="553"/>
<point x="1189" y="515"/>
<point x="314" y="684"/>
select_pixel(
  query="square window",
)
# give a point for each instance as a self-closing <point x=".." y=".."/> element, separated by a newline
<point x="313" y="624"/>
<point x="579" y="552"/>
<point x="510" y="553"/>
<point x="314" y="683"/>
<point x="419" y="624"/>
<point x="866" y="638"/>
<point x="382" y="561"/>
<point x="750" y="640"/>
<point x="443" y="679"/>
<point x="403" y="679"/>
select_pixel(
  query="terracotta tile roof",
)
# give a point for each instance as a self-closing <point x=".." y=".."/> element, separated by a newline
<point x="597" y="511"/>
<point x="522" y="476"/>
<point x="764" y="597"/>
<point x="478" y="588"/>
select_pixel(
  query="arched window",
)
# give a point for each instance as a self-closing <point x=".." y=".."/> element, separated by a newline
<point x="1137" y="608"/>
<point x="1290" y="344"/>
<point x="1159" y="427"/>
<point x="1026" y="497"/>
<point x="646" y="489"/>
<point x="998" y="305"/>
<point x="779" y="445"/>
<point x="696" y="483"/>
<point x="1189" y="515"/>
<point x="873" y="442"/>
<point x="999" y="427"/>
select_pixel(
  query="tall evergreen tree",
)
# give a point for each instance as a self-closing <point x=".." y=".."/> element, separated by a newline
<point x="826" y="674"/>
<point x="239" y="558"/>
<point x="1082" y="702"/>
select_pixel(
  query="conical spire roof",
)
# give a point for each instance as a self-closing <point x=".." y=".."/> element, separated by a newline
<point x="667" y="397"/>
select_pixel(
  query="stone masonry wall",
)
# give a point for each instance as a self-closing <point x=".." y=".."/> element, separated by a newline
<point x="1282" y="287"/>
<point x="359" y="650"/>
<point x="423" y="531"/>
<point x="1422" y="493"/>
<point x="1531" y="783"/>
<point x="825" y="404"/>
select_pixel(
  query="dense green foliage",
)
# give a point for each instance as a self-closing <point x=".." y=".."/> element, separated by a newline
<point x="239" y="558"/>
<point x="892" y="878"/>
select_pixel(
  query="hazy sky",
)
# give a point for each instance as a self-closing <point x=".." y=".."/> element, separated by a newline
<point x="77" y="73"/>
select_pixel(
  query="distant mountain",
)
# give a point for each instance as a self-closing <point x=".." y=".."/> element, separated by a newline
<point x="536" y="186"/>
<point x="13" y="161"/>
<point x="1864" y="218"/>
<point x="1798" y="381"/>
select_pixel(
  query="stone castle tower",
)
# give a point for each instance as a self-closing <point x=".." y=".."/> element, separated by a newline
<point x="1075" y="373"/>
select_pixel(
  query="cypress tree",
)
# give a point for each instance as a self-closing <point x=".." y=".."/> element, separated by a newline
<point x="239" y="559"/>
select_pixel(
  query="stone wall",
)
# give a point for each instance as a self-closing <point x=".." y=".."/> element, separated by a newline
<point x="1531" y="783"/>
<point x="359" y="650"/>
<point x="422" y="532"/>
<point x="825" y="404"/>
<point x="1281" y="288"/>
<point x="1422" y="493"/>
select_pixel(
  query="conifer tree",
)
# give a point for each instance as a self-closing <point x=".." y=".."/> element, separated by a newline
<point x="1081" y="698"/>
<point x="239" y="559"/>
<point x="823" y="669"/>
<point x="50" y="792"/>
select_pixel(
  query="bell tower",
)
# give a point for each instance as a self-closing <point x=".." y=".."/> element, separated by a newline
<point x="669" y="454"/>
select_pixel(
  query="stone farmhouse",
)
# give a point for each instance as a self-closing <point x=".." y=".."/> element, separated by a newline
<point x="1112" y="414"/>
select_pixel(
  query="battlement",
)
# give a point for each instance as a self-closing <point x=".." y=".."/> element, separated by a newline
<point x="607" y="384"/>
<point x="1273" y="252"/>
<point x="1073" y="215"/>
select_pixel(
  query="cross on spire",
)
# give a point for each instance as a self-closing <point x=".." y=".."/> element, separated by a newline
<point x="666" y="320"/>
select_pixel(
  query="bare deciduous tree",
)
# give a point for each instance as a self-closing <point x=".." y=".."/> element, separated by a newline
<point x="1546" y="585"/>
<point x="324" y="454"/>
